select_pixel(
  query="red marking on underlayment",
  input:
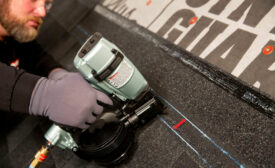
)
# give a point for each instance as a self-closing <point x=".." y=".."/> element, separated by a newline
<point x="268" y="50"/>
<point x="148" y="2"/>
<point x="179" y="124"/>
<point x="193" y="20"/>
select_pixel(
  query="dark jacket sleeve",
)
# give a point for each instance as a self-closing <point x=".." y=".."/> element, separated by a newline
<point x="15" y="88"/>
<point x="36" y="60"/>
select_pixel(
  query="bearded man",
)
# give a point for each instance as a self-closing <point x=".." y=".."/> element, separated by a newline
<point x="31" y="81"/>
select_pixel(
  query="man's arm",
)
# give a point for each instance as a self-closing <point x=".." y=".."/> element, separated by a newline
<point x="16" y="88"/>
<point x="64" y="97"/>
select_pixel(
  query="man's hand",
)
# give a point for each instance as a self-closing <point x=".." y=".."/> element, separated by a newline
<point x="68" y="99"/>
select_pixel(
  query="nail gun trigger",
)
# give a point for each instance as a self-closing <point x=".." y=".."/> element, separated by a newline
<point x="107" y="107"/>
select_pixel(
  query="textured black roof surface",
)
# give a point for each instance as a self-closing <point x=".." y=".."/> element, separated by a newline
<point x="220" y="131"/>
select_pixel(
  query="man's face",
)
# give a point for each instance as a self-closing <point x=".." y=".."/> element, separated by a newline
<point x="22" y="18"/>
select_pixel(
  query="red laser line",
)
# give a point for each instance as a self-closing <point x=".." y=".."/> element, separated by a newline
<point x="179" y="124"/>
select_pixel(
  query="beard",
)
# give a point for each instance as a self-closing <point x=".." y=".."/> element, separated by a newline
<point x="15" y="26"/>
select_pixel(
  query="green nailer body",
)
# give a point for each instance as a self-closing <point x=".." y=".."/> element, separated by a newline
<point x="107" y="69"/>
<point x="105" y="66"/>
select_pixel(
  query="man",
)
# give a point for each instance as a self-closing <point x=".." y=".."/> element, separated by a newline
<point x="37" y="84"/>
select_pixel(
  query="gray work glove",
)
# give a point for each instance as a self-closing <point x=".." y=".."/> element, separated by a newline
<point x="67" y="99"/>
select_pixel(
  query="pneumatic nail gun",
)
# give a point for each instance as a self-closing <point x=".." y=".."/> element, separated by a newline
<point x="110" y="138"/>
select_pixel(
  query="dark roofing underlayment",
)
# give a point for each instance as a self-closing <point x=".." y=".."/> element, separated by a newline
<point x="220" y="129"/>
